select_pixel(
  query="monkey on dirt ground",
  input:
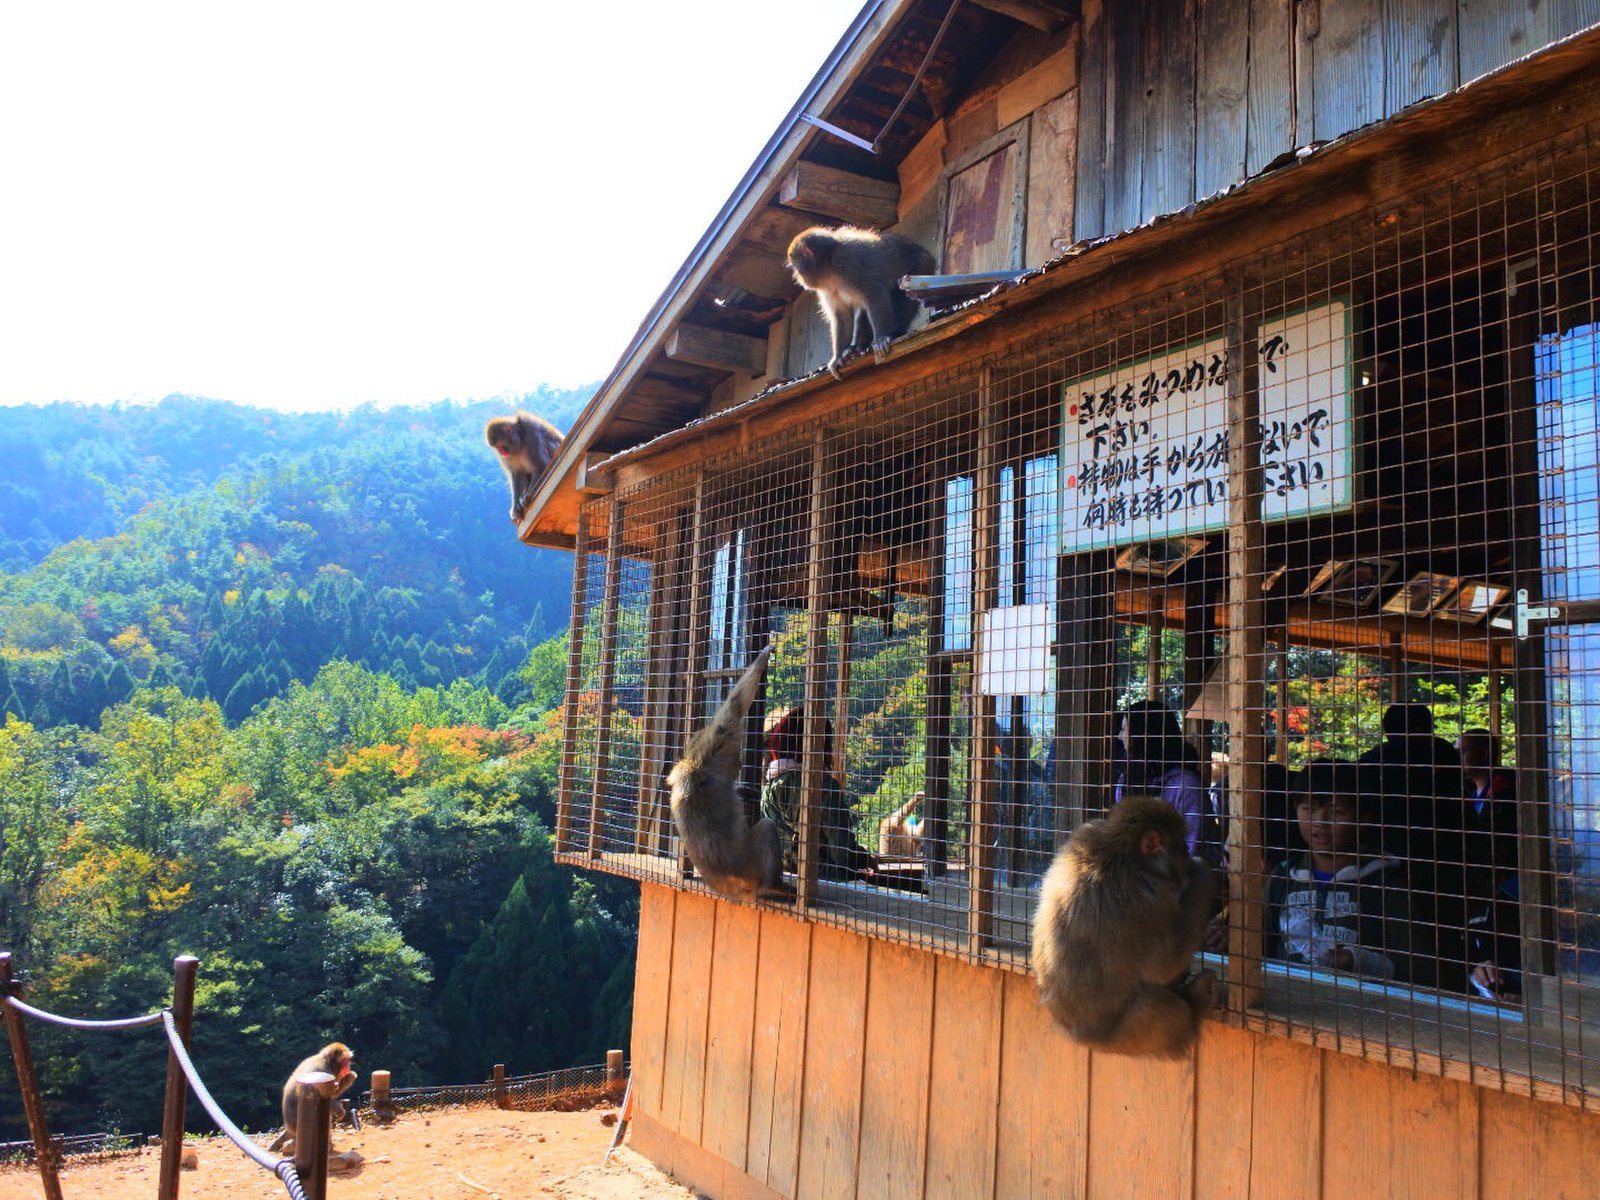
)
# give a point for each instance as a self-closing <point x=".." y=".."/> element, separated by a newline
<point x="525" y="444"/>
<point x="735" y="857"/>
<point x="334" y="1058"/>
<point x="856" y="275"/>
<point x="1122" y="912"/>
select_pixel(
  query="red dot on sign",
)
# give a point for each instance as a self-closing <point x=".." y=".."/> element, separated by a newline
<point x="1072" y="410"/>
<point x="1072" y="481"/>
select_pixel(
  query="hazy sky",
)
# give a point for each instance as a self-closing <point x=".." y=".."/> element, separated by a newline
<point x="311" y="205"/>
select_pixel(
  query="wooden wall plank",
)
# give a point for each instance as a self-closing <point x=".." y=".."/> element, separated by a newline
<point x="777" y="1053"/>
<point x="1052" y="175"/>
<point x="652" y="995"/>
<point x="1089" y="206"/>
<point x="693" y="936"/>
<point x="894" y="1078"/>
<point x="1530" y="1148"/>
<point x="1349" y="66"/>
<point x="1222" y="92"/>
<point x="964" y="1092"/>
<point x="1126" y="115"/>
<point x="729" y="1032"/>
<point x="1388" y="1134"/>
<point x="1569" y="16"/>
<point x="1495" y="32"/>
<point x="1423" y="58"/>
<point x="1170" y="73"/>
<point x="1129" y="1098"/>
<point x="830" y="1119"/>
<point x="1270" y="130"/>
<point x="1224" y="1074"/>
<point x="1286" y="1121"/>
<point x="1043" y="1149"/>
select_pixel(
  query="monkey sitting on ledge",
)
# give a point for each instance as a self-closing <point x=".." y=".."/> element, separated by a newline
<point x="1122" y="912"/>
<point x="856" y="274"/>
<point x="526" y="444"/>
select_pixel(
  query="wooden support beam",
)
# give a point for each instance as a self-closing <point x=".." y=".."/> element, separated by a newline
<point x="575" y="632"/>
<point x="699" y="624"/>
<point x="591" y="480"/>
<point x="611" y="601"/>
<point x="718" y="349"/>
<point x="814" y="689"/>
<point x="1043" y="15"/>
<point x="1246" y="662"/>
<point x="983" y="773"/>
<point x="844" y="196"/>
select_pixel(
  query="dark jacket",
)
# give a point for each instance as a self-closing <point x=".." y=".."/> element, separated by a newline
<point x="1364" y="907"/>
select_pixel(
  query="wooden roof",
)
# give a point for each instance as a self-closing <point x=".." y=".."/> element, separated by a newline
<point x="734" y="284"/>
<point x="650" y="407"/>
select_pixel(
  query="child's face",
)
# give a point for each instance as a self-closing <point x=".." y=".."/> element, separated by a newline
<point x="1328" y="823"/>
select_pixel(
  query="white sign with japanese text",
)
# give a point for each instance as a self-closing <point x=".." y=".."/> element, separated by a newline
<point x="1145" y="447"/>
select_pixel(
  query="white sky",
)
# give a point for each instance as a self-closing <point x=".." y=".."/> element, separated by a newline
<point x="311" y="205"/>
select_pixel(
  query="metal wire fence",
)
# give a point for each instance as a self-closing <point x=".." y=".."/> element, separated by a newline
<point x="1318" y="530"/>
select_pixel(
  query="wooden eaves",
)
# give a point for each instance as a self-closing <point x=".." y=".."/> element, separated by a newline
<point x="1380" y="165"/>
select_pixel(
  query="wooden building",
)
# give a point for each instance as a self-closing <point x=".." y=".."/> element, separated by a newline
<point x="1268" y="392"/>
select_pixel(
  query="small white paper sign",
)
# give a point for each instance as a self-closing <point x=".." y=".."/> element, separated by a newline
<point x="1015" y="645"/>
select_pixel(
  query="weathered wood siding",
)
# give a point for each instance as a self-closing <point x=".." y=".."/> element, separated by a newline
<point x="1181" y="98"/>
<point x="773" y="1058"/>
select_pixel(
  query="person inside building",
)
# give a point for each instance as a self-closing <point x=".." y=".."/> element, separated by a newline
<point x="1493" y="950"/>
<point x="1161" y="762"/>
<point x="1342" y="903"/>
<point x="842" y="857"/>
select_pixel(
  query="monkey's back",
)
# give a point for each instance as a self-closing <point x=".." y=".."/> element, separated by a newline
<point x="1097" y="935"/>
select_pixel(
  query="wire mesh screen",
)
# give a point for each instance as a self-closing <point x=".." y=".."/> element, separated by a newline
<point x="1309" y="547"/>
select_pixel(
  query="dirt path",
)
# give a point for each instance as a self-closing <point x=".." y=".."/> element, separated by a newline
<point x="448" y="1154"/>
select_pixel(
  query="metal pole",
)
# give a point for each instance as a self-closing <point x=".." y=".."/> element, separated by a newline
<point x="28" y="1082"/>
<point x="183" y="974"/>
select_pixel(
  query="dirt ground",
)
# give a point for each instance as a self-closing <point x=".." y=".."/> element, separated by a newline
<point x="446" y="1154"/>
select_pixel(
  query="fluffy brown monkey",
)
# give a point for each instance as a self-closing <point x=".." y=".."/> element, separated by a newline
<point x="856" y="276"/>
<point x="334" y="1058"/>
<point x="526" y="444"/>
<point x="1122" y="911"/>
<point x="735" y="857"/>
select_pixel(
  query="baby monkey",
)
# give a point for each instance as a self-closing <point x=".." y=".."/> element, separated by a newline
<point x="736" y="858"/>
<point x="856" y="275"/>
<point x="526" y="444"/>
<point x="1122" y="912"/>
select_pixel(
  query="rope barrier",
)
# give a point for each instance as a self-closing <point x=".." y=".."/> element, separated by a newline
<point x="50" y="1018"/>
<point x="283" y="1168"/>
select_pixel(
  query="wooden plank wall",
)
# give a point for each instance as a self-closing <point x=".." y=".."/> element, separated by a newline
<point x="775" y="1058"/>
<point x="1181" y="98"/>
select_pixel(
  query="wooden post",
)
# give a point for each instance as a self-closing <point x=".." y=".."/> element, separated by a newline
<point x="655" y="753"/>
<point x="1281" y="740"/>
<point x="569" y="734"/>
<point x="936" y="763"/>
<point x="312" y="1118"/>
<point x="813" y="756"/>
<point x="183" y="976"/>
<point x="500" y="1100"/>
<point x="616" y="1074"/>
<point x="382" y="1104"/>
<point x="1085" y="667"/>
<point x="1246" y="660"/>
<point x="28" y="1084"/>
<point x="984" y="797"/>
<point x="610" y="603"/>
<point x="699" y="624"/>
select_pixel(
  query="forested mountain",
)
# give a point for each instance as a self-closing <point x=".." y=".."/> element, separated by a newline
<point x="229" y="551"/>
<point x="284" y="692"/>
